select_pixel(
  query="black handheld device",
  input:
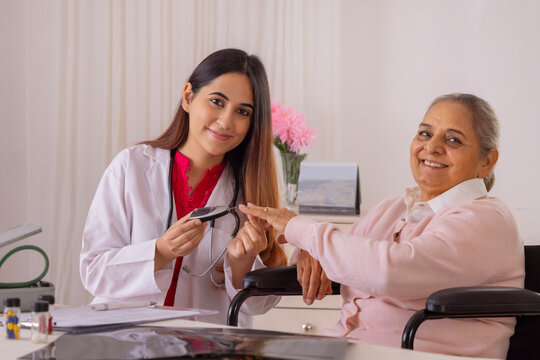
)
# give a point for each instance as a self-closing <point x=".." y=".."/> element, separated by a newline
<point x="210" y="213"/>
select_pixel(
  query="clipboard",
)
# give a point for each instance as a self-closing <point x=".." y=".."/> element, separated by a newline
<point x="84" y="319"/>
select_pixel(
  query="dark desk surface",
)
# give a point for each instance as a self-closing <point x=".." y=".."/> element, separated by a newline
<point x="13" y="349"/>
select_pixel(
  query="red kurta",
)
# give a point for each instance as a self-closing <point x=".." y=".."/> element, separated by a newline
<point x="185" y="203"/>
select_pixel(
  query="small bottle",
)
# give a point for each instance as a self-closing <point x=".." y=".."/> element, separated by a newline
<point x="50" y="300"/>
<point x="40" y="321"/>
<point x="12" y="315"/>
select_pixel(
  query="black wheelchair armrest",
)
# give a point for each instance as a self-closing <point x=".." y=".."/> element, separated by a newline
<point x="278" y="280"/>
<point x="472" y="302"/>
<point x="484" y="300"/>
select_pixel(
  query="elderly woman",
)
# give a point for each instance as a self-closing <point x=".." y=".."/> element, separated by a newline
<point x="445" y="232"/>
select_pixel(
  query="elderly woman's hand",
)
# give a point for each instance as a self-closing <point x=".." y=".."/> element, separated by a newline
<point x="276" y="218"/>
<point x="310" y="274"/>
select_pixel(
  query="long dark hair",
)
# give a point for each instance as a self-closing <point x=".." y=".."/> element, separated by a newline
<point x="252" y="161"/>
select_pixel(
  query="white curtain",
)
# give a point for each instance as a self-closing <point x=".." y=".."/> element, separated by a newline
<point x="100" y="75"/>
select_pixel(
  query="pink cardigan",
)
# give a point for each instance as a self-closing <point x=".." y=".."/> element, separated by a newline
<point x="387" y="274"/>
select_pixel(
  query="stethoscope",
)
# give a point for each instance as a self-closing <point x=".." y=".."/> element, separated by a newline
<point x="209" y="216"/>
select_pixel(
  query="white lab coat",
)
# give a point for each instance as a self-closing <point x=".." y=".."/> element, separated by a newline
<point x="128" y="213"/>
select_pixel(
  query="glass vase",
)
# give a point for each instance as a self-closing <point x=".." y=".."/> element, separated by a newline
<point x="291" y="171"/>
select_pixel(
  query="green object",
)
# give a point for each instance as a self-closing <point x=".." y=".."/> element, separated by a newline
<point x="27" y="283"/>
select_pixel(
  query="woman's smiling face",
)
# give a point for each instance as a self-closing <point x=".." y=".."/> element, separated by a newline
<point x="219" y="115"/>
<point x="445" y="151"/>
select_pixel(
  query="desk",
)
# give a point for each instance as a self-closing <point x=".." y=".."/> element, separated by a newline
<point x="12" y="349"/>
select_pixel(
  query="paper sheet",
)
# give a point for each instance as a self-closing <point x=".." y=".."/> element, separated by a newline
<point x="85" y="316"/>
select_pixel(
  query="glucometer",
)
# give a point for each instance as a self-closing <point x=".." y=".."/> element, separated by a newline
<point x="210" y="213"/>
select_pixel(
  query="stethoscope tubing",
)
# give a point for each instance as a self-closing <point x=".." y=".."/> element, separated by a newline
<point x="213" y="263"/>
<point x="232" y="211"/>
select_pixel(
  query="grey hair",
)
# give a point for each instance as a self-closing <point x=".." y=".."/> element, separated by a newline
<point x="485" y="125"/>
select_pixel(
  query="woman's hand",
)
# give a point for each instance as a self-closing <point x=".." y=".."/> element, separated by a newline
<point x="244" y="248"/>
<point x="179" y="240"/>
<point x="310" y="274"/>
<point x="249" y="242"/>
<point x="275" y="218"/>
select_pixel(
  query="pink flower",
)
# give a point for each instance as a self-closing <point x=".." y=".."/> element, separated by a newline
<point x="289" y="129"/>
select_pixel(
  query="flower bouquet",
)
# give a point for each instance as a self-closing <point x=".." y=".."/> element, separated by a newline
<point x="290" y="136"/>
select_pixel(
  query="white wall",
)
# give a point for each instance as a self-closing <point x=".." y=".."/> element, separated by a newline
<point x="12" y="112"/>
<point x="396" y="56"/>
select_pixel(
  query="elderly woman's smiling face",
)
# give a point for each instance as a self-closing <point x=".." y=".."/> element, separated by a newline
<point x="445" y="151"/>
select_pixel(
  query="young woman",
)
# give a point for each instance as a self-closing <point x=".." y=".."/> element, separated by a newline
<point x="217" y="151"/>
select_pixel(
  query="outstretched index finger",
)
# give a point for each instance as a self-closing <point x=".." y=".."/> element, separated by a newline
<point x="254" y="210"/>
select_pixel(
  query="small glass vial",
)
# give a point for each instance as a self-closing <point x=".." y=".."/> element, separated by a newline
<point x="40" y="321"/>
<point x="12" y="315"/>
<point x="50" y="300"/>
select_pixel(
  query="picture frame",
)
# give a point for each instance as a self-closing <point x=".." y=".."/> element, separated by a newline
<point x="329" y="188"/>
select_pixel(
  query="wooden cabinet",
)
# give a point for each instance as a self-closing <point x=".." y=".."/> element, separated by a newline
<point x="292" y="315"/>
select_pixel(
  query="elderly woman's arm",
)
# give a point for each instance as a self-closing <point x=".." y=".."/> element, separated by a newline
<point x="471" y="244"/>
<point x="315" y="284"/>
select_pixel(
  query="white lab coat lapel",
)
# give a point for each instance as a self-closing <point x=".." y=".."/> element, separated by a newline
<point x="158" y="178"/>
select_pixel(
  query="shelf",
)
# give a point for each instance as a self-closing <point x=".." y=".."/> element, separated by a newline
<point x="336" y="219"/>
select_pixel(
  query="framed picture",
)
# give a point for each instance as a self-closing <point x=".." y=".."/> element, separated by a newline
<point x="329" y="188"/>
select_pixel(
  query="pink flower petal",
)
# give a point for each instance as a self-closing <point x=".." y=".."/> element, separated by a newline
<point x="289" y="126"/>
